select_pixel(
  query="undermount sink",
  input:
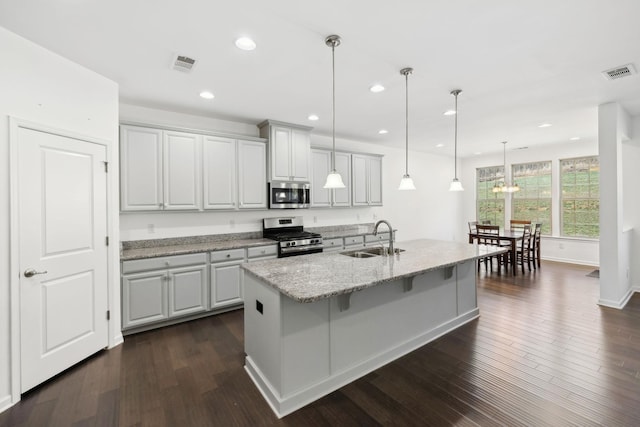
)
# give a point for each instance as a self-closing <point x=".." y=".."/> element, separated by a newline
<point x="370" y="252"/>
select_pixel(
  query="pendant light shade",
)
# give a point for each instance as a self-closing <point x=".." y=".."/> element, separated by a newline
<point x="334" y="180"/>
<point x="455" y="185"/>
<point x="504" y="186"/>
<point x="406" y="183"/>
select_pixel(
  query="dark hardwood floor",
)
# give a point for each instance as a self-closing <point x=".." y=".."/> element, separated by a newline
<point x="542" y="353"/>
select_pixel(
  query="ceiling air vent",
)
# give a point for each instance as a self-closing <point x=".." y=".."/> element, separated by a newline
<point x="183" y="63"/>
<point x="619" y="72"/>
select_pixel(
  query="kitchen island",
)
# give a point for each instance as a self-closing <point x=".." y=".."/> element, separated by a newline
<point x="314" y="323"/>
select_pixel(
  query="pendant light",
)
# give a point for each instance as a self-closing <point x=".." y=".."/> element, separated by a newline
<point x="334" y="180"/>
<point x="455" y="184"/>
<point x="505" y="187"/>
<point x="406" y="183"/>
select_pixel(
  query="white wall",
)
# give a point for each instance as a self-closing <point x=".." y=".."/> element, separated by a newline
<point x="429" y="212"/>
<point x="631" y="201"/>
<point x="41" y="87"/>
<point x="554" y="247"/>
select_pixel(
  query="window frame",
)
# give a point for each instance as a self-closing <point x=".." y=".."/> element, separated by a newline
<point x="547" y="223"/>
<point x="497" y="175"/>
<point x="562" y="198"/>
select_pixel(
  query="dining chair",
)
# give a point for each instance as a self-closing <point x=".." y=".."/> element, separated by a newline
<point x="535" y="245"/>
<point x="472" y="226"/>
<point x="518" y="224"/>
<point x="524" y="252"/>
<point x="490" y="235"/>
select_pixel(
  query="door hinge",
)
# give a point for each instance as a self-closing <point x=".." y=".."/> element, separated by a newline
<point x="106" y="167"/>
<point x="108" y="314"/>
<point x="106" y="239"/>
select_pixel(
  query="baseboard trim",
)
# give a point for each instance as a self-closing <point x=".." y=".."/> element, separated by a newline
<point x="621" y="303"/>
<point x="571" y="261"/>
<point x="6" y="403"/>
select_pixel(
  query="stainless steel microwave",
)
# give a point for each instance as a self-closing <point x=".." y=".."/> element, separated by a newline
<point x="289" y="195"/>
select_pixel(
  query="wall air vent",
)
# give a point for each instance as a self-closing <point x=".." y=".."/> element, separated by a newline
<point x="619" y="72"/>
<point x="182" y="63"/>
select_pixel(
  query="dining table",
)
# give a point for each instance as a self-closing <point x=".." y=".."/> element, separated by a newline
<point x="506" y="235"/>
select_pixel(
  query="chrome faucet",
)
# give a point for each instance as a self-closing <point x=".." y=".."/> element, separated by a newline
<point x="375" y="232"/>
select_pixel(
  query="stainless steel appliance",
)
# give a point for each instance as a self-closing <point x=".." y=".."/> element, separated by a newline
<point x="292" y="239"/>
<point x="289" y="195"/>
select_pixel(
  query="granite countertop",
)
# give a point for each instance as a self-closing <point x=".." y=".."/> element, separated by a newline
<point x="141" y="249"/>
<point x="191" y="248"/>
<point x="309" y="278"/>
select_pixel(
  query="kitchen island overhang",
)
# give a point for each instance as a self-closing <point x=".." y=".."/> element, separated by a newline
<point x="318" y="322"/>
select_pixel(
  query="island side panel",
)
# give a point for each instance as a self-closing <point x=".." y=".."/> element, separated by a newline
<point x="467" y="287"/>
<point x="387" y="321"/>
<point x="305" y="345"/>
<point x="262" y="333"/>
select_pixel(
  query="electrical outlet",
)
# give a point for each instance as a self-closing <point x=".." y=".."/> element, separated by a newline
<point x="375" y="217"/>
<point x="315" y="219"/>
<point x="358" y="217"/>
<point x="232" y="223"/>
<point x="151" y="228"/>
<point x="561" y="245"/>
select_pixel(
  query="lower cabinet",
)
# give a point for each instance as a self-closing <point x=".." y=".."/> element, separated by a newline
<point x="162" y="288"/>
<point x="226" y="277"/>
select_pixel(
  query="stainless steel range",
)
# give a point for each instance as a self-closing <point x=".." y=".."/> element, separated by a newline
<point x="293" y="240"/>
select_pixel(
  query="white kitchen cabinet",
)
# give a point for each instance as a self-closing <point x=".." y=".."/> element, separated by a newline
<point x="367" y="180"/>
<point x="259" y="253"/>
<point x="353" y="242"/>
<point x="144" y="298"/>
<point x="320" y="168"/>
<point x="219" y="173"/>
<point x="252" y="177"/>
<point x="188" y="289"/>
<point x="141" y="181"/>
<point x="376" y="240"/>
<point x="333" y="245"/>
<point x="159" y="170"/>
<point x="226" y="277"/>
<point x="289" y="150"/>
<point x="182" y="176"/>
<point x="158" y="289"/>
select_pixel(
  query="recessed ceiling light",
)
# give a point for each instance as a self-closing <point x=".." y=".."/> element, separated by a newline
<point x="544" y="125"/>
<point x="574" y="138"/>
<point x="439" y="145"/>
<point x="450" y="113"/>
<point x="477" y="153"/>
<point x="376" y="88"/>
<point x="207" y="95"/>
<point x="313" y="117"/>
<point x="383" y="131"/>
<point x="245" y="43"/>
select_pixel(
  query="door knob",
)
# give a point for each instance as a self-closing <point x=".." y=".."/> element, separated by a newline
<point x="30" y="272"/>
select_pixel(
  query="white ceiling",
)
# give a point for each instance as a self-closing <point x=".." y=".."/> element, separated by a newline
<point x="519" y="63"/>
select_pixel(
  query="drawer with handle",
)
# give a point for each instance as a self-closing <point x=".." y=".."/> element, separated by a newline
<point x="262" y="251"/>
<point x="227" y="255"/>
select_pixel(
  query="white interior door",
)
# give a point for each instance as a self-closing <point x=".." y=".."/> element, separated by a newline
<point x="62" y="223"/>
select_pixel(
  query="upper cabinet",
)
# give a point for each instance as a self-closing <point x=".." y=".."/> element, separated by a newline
<point x="252" y="174"/>
<point x="219" y="158"/>
<point x="289" y="150"/>
<point x="320" y="168"/>
<point x="160" y="170"/>
<point x="182" y="174"/>
<point x="170" y="170"/>
<point x="367" y="180"/>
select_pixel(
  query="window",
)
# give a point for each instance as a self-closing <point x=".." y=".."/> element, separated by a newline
<point x="580" y="197"/>
<point x="489" y="205"/>
<point x="533" y="201"/>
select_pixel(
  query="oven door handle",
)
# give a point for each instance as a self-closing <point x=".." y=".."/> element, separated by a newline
<point x="292" y="249"/>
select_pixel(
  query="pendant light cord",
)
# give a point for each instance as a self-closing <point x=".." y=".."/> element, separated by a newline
<point x="333" y="106"/>
<point x="406" y="130"/>
<point x="455" y="144"/>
